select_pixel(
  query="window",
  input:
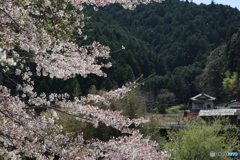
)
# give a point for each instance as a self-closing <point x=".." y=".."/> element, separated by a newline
<point x="209" y="106"/>
<point x="199" y="105"/>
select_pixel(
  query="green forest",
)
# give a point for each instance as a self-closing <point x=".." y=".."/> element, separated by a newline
<point x="179" y="48"/>
<point x="189" y="48"/>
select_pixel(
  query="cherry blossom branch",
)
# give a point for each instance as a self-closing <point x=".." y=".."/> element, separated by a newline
<point x="18" y="26"/>
<point x="10" y="78"/>
<point x="44" y="34"/>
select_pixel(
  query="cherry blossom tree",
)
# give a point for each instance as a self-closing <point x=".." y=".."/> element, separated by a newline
<point x="44" y="33"/>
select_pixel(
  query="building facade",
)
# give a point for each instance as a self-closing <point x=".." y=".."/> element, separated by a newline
<point x="199" y="102"/>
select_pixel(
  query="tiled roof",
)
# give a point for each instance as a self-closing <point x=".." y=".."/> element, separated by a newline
<point x="233" y="104"/>
<point x="219" y="112"/>
<point x="203" y="96"/>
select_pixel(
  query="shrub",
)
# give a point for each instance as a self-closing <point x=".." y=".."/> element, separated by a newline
<point x="198" y="139"/>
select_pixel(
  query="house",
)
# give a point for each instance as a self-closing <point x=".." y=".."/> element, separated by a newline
<point x="231" y="111"/>
<point x="199" y="102"/>
<point x="202" y="101"/>
<point x="202" y="105"/>
<point x="233" y="104"/>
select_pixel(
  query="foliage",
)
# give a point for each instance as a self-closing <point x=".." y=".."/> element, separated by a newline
<point x="45" y="52"/>
<point x="198" y="139"/>
<point x="182" y="33"/>
<point x="182" y="82"/>
<point x="210" y="81"/>
<point x="222" y="65"/>
<point x="174" y="109"/>
<point x="230" y="84"/>
<point x="149" y="129"/>
<point x="160" y="38"/>
<point x="166" y="99"/>
<point x="133" y="105"/>
<point x="232" y="52"/>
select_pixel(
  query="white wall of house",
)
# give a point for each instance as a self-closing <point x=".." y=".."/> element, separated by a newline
<point x="202" y="105"/>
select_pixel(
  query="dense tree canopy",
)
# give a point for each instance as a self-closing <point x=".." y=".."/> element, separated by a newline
<point x="159" y="38"/>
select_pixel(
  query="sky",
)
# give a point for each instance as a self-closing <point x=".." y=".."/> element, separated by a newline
<point x="232" y="3"/>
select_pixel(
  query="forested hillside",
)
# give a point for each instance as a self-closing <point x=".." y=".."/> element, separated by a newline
<point x="172" y="40"/>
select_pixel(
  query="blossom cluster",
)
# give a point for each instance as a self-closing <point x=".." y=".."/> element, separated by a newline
<point x="131" y="147"/>
<point x="4" y="60"/>
<point x="43" y="32"/>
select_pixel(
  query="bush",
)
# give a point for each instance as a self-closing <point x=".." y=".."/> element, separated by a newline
<point x="197" y="141"/>
<point x="173" y="110"/>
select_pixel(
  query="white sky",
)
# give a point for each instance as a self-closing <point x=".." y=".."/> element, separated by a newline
<point x="232" y="3"/>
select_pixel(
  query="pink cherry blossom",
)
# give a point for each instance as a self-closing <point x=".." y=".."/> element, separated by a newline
<point x="50" y="45"/>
